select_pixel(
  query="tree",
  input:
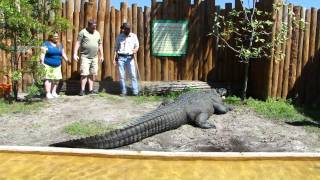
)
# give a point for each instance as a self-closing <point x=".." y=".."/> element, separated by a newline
<point x="249" y="30"/>
<point x="22" y="24"/>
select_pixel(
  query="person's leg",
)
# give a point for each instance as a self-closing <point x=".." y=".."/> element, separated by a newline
<point x="122" y="74"/>
<point x="57" y="76"/>
<point x="84" y="72"/>
<point x="83" y="84"/>
<point x="90" y="82"/>
<point x="133" y="76"/>
<point x="47" y="86"/>
<point x="54" y="85"/>
<point x="93" y="71"/>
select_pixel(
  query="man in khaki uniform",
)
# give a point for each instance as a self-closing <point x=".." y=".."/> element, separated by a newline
<point x="89" y="42"/>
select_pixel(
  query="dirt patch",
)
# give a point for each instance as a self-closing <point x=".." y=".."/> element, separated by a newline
<point x="239" y="130"/>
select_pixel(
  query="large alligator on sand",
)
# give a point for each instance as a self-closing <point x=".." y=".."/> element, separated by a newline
<point x="190" y="108"/>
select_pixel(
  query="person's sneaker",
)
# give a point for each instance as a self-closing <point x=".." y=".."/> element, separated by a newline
<point x="123" y="94"/>
<point x="55" y="95"/>
<point x="81" y="93"/>
<point x="93" y="92"/>
<point x="49" y="96"/>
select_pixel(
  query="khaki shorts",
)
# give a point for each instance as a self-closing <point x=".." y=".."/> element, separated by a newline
<point x="89" y="66"/>
<point x="52" y="73"/>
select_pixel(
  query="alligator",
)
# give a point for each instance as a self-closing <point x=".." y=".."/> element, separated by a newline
<point x="194" y="107"/>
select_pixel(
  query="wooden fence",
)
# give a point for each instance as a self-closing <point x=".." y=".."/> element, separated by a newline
<point x="297" y="75"/>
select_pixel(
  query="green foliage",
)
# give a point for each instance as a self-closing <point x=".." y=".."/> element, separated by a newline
<point x="19" y="107"/>
<point x="16" y="75"/>
<point x="87" y="128"/>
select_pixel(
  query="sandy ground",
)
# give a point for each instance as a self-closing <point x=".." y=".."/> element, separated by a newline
<point x="240" y="130"/>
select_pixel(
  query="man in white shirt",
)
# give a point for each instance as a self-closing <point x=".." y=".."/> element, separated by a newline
<point x="127" y="45"/>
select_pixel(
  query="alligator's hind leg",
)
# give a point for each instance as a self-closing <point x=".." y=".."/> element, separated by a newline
<point x="202" y="121"/>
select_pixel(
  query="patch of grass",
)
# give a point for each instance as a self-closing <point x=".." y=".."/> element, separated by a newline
<point x="86" y="128"/>
<point x="233" y="100"/>
<point x="276" y="109"/>
<point x="19" y="107"/>
<point x="108" y="96"/>
<point x="282" y="110"/>
<point x="143" y="99"/>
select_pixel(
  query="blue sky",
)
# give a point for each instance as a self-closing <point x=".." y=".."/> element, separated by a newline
<point x="305" y="3"/>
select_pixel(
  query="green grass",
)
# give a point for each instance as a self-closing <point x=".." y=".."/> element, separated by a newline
<point x="86" y="128"/>
<point x="144" y="99"/>
<point x="281" y="110"/>
<point x="19" y="107"/>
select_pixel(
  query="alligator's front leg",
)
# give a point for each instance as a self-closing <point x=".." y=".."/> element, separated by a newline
<point x="220" y="108"/>
<point x="202" y="121"/>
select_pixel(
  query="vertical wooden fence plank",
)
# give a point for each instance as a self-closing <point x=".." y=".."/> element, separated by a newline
<point x="76" y="24"/>
<point x="94" y="9"/>
<point x="270" y="63"/>
<point x="277" y="58"/>
<point x="100" y="29"/>
<point x="201" y="34"/>
<point x="124" y="12"/>
<point x="196" y="40"/>
<point x="82" y="15"/>
<point x="147" y="42"/>
<point x="141" y="42"/>
<point x="118" y="24"/>
<point x="108" y="58"/>
<point x="301" y="47"/>
<point x="188" y="71"/>
<point x="64" y="42"/>
<point x="209" y="50"/>
<point x="317" y="63"/>
<point x="134" y="18"/>
<point x="283" y="51"/>
<point x="305" y="57"/>
<point x="228" y="68"/>
<point x="310" y="91"/>
<point x="294" y="52"/>
<point x="112" y="40"/>
<point x="129" y="14"/>
<point x="69" y="6"/>
<point x="164" y="60"/>
<point x="288" y="54"/>
<point x="170" y="14"/>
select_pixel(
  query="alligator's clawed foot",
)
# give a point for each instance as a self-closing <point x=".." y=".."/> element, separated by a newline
<point x="207" y="126"/>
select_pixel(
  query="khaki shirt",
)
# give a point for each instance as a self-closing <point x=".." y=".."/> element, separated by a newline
<point x="89" y="43"/>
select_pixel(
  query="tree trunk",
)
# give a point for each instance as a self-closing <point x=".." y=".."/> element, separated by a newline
<point x="245" y="81"/>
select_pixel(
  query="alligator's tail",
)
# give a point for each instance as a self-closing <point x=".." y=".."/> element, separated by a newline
<point x="148" y="125"/>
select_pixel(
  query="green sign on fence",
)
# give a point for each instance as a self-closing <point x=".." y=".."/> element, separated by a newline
<point x="169" y="37"/>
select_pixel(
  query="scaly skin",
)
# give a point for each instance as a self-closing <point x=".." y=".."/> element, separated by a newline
<point x="192" y="107"/>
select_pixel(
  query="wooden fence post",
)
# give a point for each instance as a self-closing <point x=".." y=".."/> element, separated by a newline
<point x="140" y="34"/>
<point x="106" y="44"/>
<point x="147" y="42"/>
<point x="100" y="29"/>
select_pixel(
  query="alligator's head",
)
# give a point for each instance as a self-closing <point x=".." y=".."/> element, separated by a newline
<point x="218" y="94"/>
